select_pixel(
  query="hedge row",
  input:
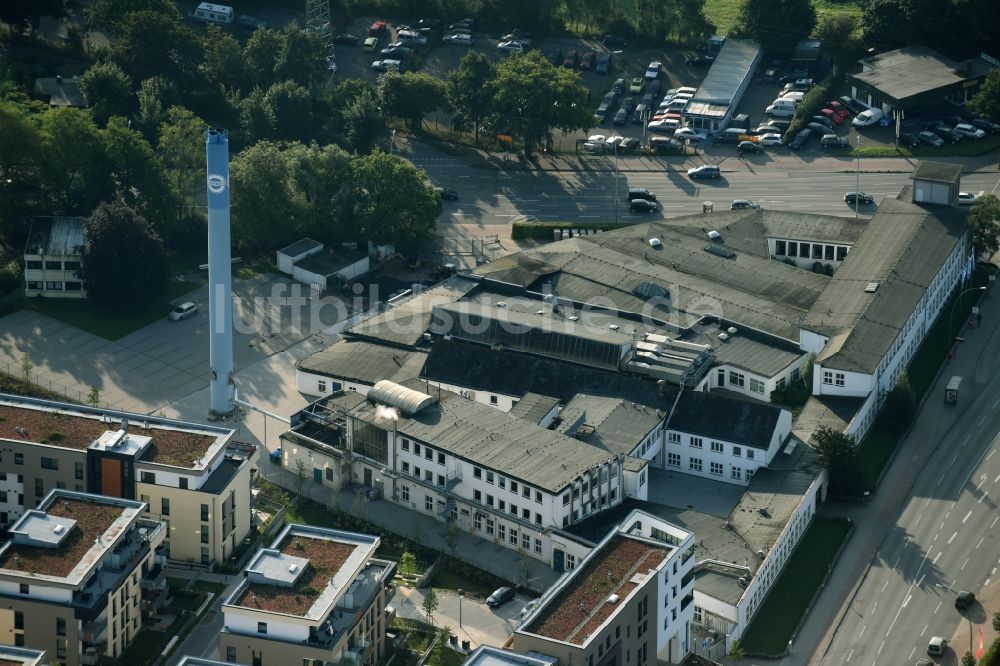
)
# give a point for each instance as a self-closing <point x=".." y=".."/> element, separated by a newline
<point x="992" y="656"/>
<point x="543" y="230"/>
<point x="810" y="105"/>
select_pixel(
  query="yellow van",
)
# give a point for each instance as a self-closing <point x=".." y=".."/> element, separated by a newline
<point x="370" y="44"/>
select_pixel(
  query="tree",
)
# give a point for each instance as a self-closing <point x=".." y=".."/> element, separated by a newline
<point x="301" y="475"/>
<point x="152" y="43"/>
<point x="182" y="147"/>
<point x="318" y="184"/>
<point x="261" y="53"/>
<point x="109" y="14"/>
<point x="429" y="604"/>
<point x="19" y="153"/>
<point x="525" y="568"/>
<point x="984" y="225"/>
<point x="437" y="656"/>
<point x="839" y="454"/>
<point x="223" y="62"/>
<point x="392" y="201"/>
<point x="108" y="91"/>
<point x="968" y="659"/>
<point x="265" y="212"/>
<point x="451" y="538"/>
<point x="362" y="121"/>
<point x="255" y="121"/>
<point x="996" y="621"/>
<point x="155" y="96"/>
<point x="986" y="102"/>
<point x="28" y="13"/>
<point x="531" y="97"/>
<point x="411" y="96"/>
<point x="124" y="263"/>
<point x="74" y="163"/>
<point x="26" y="367"/>
<point x="777" y="37"/>
<point x="302" y="57"/>
<point x="94" y="397"/>
<point x="900" y="405"/>
<point x="469" y="89"/>
<point x="736" y="651"/>
<point x="288" y="107"/>
<point x="841" y="39"/>
<point x="408" y="563"/>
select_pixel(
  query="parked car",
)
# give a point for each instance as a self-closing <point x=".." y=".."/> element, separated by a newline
<point x="867" y="118"/>
<point x="429" y="23"/>
<point x="834" y="141"/>
<point x="628" y="145"/>
<point x="770" y="75"/>
<point x="831" y="115"/>
<point x="985" y="125"/>
<point x="966" y="198"/>
<point x="640" y="193"/>
<point x="350" y="40"/>
<point x="653" y="71"/>
<point x="688" y="134"/>
<point x="377" y="29"/>
<point x="458" y="39"/>
<point x="397" y="52"/>
<point x="909" y="140"/>
<point x="602" y="64"/>
<point x="799" y="85"/>
<point x="801" y="139"/>
<point x="699" y="61"/>
<point x="500" y="597"/>
<point x="514" y="37"/>
<point x="749" y="147"/>
<point x="370" y="44"/>
<point x="822" y="120"/>
<point x="637" y="85"/>
<point x="947" y="133"/>
<point x="554" y="57"/>
<point x="183" y="311"/>
<point x="447" y="193"/>
<point x="743" y="204"/>
<point x="411" y="38"/>
<point x="572" y="59"/>
<point x="629" y="104"/>
<point x="587" y="61"/>
<point x="614" y="41"/>
<point x="251" y="22"/>
<point x="621" y="116"/>
<point x="769" y="140"/>
<point x="387" y="66"/>
<point x="643" y="206"/>
<point x="968" y="130"/>
<point x="839" y="108"/>
<point x="666" y="125"/>
<point x="853" y="104"/>
<point x="931" y="139"/>
<point x="859" y="198"/>
<point x="769" y="128"/>
<point x="618" y="87"/>
<point x="818" y="129"/>
<point x="704" y="171"/>
<point x="612" y="141"/>
<point x="510" y="47"/>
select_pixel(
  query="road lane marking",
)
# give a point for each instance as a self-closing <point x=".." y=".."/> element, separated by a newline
<point x="863" y="627"/>
<point x="898" y="611"/>
<point x="940" y="479"/>
<point x="912" y="651"/>
<point x="982" y="497"/>
<point x="942" y="526"/>
<point x="952" y="538"/>
<point x="934" y="561"/>
<point x="850" y="654"/>
<point x="947" y="515"/>
<point x="938" y="608"/>
<point x="874" y="607"/>
<point x="880" y="648"/>
<point x="981" y="539"/>
<point x="964" y="564"/>
<point x="927" y="501"/>
<point x="982" y="420"/>
<point x="895" y="564"/>
<point x="917" y="521"/>
<point x="996" y="403"/>
<point x="991" y="454"/>
<point x="921" y="581"/>
<point x="966" y="517"/>
<point x="953" y="459"/>
<point x="997" y="480"/>
<point x="924" y="630"/>
<point x="993" y="524"/>
<point x="886" y="584"/>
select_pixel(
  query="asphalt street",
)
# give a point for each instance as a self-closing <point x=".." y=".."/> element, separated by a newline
<point x="934" y="530"/>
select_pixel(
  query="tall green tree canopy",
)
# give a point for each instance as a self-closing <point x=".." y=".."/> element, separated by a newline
<point x="151" y="43"/>
<point x="110" y="14"/>
<point x="777" y="24"/>
<point x="531" y="97"/>
<point x="470" y="90"/>
<point x="839" y="454"/>
<point x="108" y="91"/>
<point x="986" y="101"/>
<point x="411" y="96"/>
<point x="392" y="201"/>
<point x="75" y="168"/>
<point x="984" y="224"/>
<point x="124" y="263"/>
<point x="28" y="13"/>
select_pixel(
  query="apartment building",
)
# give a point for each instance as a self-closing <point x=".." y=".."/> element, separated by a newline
<point x="493" y="474"/>
<point x="72" y="575"/>
<point x="196" y="478"/>
<point x="487" y="655"/>
<point x="629" y="601"/>
<point x="52" y="258"/>
<point x="316" y="596"/>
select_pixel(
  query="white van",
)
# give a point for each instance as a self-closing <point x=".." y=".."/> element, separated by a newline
<point x="676" y="105"/>
<point x="686" y="91"/>
<point x="411" y="38"/>
<point x="782" y="108"/>
<point x="217" y="14"/>
<point x="795" y="96"/>
<point x="867" y="118"/>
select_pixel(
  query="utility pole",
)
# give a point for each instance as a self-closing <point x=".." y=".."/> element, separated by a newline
<point x="857" y="183"/>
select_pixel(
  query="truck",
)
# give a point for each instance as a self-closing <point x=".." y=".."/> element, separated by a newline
<point x="951" y="391"/>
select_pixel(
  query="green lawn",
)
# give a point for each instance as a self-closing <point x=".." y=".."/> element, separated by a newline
<point x="969" y="148"/>
<point x="109" y="324"/>
<point x="447" y="579"/>
<point x="784" y="607"/>
<point x="209" y="586"/>
<point x="724" y="13"/>
<point x="187" y="600"/>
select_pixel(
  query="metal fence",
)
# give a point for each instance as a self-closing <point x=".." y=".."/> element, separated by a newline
<point x="15" y="372"/>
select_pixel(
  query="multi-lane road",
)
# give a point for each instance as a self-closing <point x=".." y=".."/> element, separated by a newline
<point x="490" y="199"/>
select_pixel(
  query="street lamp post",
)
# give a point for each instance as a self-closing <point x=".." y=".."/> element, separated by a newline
<point x="968" y="617"/>
<point x="857" y="183"/>
<point x="461" y="595"/>
<point x="952" y="338"/>
<point x="617" y="177"/>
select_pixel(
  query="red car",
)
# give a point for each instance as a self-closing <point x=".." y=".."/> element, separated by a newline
<point x="839" y="109"/>
<point x="377" y="30"/>
<point x="834" y="117"/>
<point x="571" y="59"/>
<point x="587" y="62"/>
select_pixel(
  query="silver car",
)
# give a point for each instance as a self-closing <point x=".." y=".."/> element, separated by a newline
<point x="183" y="311"/>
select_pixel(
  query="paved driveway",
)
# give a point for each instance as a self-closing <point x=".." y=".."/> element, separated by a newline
<point x="481" y="625"/>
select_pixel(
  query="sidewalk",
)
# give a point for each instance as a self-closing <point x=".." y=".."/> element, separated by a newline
<point x="475" y="622"/>
<point x="426" y="530"/>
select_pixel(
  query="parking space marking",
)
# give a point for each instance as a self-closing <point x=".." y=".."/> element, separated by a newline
<point x="952" y="538"/>
<point x="966" y="516"/>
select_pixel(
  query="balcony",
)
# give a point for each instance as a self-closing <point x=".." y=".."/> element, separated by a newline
<point x="686" y="601"/>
